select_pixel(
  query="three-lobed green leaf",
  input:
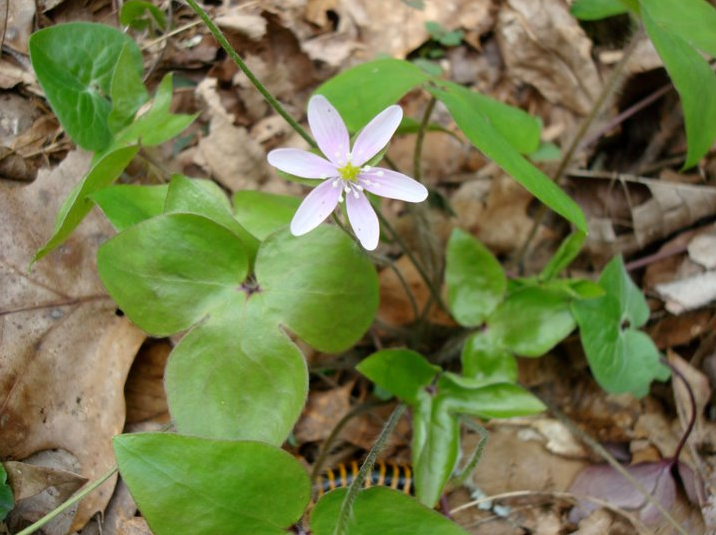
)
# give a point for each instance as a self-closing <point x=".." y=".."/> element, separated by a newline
<point x="236" y="374"/>
<point x="622" y="358"/>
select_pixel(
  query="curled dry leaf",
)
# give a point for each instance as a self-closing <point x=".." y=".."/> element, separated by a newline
<point x="543" y="45"/>
<point x="64" y="353"/>
<point x="232" y="157"/>
<point x="402" y="28"/>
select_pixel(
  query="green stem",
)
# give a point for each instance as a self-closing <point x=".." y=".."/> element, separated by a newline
<point x="73" y="500"/>
<point x="608" y="90"/>
<point x="420" y="138"/>
<point x="344" y="515"/>
<point x="275" y="104"/>
<point x="328" y="443"/>
<point x="434" y="292"/>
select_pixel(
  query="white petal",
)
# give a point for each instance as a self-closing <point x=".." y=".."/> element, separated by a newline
<point x="329" y="130"/>
<point x="363" y="219"/>
<point x="301" y="163"/>
<point x="392" y="185"/>
<point x="376" y="134"/>
<point x="316" y="207"/>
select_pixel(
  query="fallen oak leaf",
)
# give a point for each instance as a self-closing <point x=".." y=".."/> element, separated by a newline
<point x="64" y="353"/>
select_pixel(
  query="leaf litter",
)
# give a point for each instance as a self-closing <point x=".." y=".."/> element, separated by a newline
<point x="57" y="328"/>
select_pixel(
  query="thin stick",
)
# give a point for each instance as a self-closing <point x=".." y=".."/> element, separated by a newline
<point x="344" y="515"/>
<point x="604" y="454"/>
<point x="638" y="524"/>
<point x="73" y="500"/>
<point x="275" y="104"/>
<point x="328" y="443"/>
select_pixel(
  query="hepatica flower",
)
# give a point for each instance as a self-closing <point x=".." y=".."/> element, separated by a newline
<point x="344" y="172"/>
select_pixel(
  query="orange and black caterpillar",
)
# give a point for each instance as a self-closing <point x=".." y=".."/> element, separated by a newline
<point x="385" y="474"/>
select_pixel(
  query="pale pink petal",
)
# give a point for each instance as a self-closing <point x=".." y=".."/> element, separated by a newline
<point x="316" y="207"/>
<point x="329" y="129"/>
<point x="376" y="134"/>
<point x="363" y="219"/>
<point x="393" y="185"/>
<point x="301" y="163"/>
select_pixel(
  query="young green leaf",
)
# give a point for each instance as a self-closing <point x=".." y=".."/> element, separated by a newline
<point x="264" y="213"/>
<point x="485" y="136"/>
<point x="104" y="171"/>
<point x="400" y="371"/>
<point x="360" y="93"/>
<point x="139" y="15"/>
<point x="204" y="197"/>
<point x="568" y="251"/>
<point x="126" y="90"/>
<point x="74" y="63"/>
<point x="486" y="361"/>
<point x="125" y="205"/>
<point x="531" y="321"/>
<point x="691" y="20"/>
<point x="380" y="510"/>
<point x="210" y="487"/>
<point x="622" y="358"/>
<point x="597" y="9"/>
<point x="518" y="127"/>
<point x="158" y="124"/>
<point x="695" y="82"/>
<point x="474" y="277"/>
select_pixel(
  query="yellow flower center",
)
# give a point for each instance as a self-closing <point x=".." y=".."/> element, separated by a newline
<point x="349" y="172"/>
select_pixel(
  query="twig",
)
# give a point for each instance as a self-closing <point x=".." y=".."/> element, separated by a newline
<point x="328" y="443"/>
<point x="631" y="518"/>
<point x="604" y="454"/>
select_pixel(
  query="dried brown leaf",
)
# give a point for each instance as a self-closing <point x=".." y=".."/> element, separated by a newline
<point x="543" y="45"/>
<point x="64" y="353"/>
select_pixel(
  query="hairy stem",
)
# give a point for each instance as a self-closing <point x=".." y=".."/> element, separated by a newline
<point x="73" y="500"/>
<point x="275" y="104"/>
<point x="344" y="515"/>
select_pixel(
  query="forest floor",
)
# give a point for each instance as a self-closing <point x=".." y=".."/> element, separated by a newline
<point x="73" y="373"/>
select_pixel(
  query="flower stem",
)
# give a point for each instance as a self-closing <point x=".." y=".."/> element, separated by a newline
<point x="344" y="514"/>
<point x="420" y="138"/>
<point x="73" y="500"/>
<point x="692" y="402"/>
<point x="610" y="87"/>
<point x="434" y="291"/>
<point x="275" y="104"/>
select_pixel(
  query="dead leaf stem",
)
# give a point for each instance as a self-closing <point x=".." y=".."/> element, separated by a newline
<point x="608" y="457"/>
